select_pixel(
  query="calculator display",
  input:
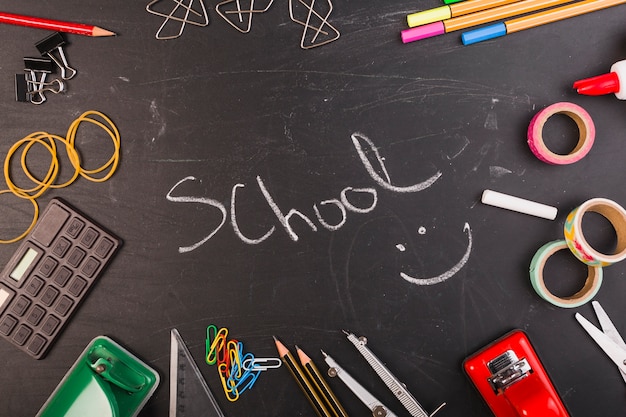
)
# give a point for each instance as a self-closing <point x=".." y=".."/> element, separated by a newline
<point x="49" y="275"/>
<point x="23" y="265"/>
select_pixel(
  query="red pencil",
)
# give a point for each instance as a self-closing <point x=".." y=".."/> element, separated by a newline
<point x="55" y="25"/>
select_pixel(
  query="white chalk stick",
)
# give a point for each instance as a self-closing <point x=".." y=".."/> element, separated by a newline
<point x="505" y="201"/>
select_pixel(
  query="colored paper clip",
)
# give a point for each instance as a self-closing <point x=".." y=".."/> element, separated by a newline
<point x="214" y="343"/>
<point x="261" y="364"/>
<point x="52" y="47"/>
<point x="234" y="350"/>
<point x="231" y="393"/>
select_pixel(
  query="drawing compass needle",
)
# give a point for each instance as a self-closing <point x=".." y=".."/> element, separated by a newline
<point x="378" y="409"/>
<point x="397" y="388"/>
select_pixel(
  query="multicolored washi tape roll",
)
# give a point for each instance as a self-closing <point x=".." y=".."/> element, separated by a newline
<point x="584" y="295"/>
<point x="586" y="129"/>
<point x="575" y="237"/>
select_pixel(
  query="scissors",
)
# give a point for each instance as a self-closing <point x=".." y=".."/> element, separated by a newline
<point x="608" y="338"/>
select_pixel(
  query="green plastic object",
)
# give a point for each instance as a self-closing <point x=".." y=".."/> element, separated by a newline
<point x="452" y="1"/>
<point x="106" y="381"/>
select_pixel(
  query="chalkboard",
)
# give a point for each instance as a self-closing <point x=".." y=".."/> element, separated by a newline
<point x="285" y="192"/>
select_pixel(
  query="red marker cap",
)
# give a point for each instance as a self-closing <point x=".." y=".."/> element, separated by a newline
<point x="600" y="85"/>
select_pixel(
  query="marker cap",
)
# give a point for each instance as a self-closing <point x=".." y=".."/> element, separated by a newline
<point x="483" y="34"/>
<point x="422" y="32"/>
<point x="429" y="16"/>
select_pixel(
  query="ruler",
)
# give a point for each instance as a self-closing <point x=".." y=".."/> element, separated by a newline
<point x="190" y="395"/>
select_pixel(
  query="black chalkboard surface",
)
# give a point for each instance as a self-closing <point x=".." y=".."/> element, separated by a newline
<point x="285" y="192"/>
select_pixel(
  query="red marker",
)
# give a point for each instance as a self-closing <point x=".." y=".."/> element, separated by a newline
<point x="613" y="82"/>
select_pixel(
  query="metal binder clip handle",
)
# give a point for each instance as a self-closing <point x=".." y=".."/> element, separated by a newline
<point x="52" y="47"/>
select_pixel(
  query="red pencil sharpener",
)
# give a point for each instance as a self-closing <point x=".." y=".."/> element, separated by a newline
<point x="512" y="380"/>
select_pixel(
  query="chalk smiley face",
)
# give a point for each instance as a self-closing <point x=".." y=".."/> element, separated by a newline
<point x="450" y="272"/>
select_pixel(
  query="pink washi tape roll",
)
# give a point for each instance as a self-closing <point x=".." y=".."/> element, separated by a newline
<point x="586" y="129"/>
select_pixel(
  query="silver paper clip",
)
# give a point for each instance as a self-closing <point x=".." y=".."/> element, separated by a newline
<point x="315" y="23"/>
<point x="244" y="23"/>
<point x="52" y="47"/>
<point x="187" y="9"/>
<point x="260" y="364"/>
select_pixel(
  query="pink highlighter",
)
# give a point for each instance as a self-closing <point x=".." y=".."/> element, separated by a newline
<point x="613" y="82"/>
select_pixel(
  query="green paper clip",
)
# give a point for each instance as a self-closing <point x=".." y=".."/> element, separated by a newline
<point x="105" y="381"/>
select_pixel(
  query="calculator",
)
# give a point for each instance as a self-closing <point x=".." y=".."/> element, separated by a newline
<point x="49" y="275"/>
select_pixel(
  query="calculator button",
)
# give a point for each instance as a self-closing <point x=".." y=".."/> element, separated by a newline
<point x="49" y="295"/>
<point x="50" y="325"/>
<point x="22" y="334"/>
<point x="34" y="285"/>
<point x="21" y="305"/>
<point x="90" y="267"/>
<point x="35" y="315"/>
<point x="76" y="257"/>
<point x="62" y="276"/>
<point x="74" y="228"/>
<point x="89" y="237"/>
<point x="47" y="266"/>
<point x="48" y="226"/>
<point x="36" y="344"/>
<point x="7" y="324"/>
<point x="77" y="286"/>
<point x="6" y="295"/>
<point x="64" y="305"/>
<point x="103" y="247"/>
<point x="61" y="246"/>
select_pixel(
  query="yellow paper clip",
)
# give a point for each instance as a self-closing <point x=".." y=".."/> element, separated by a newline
<point x="231" y="392"/>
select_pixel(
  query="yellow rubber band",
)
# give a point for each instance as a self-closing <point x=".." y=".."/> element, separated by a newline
<point x="47" y="140"/>
<point x="32" y="224"/>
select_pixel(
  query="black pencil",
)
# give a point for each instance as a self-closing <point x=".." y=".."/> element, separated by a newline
<point x="320" y="383"/>
<point x="303" y="382"/>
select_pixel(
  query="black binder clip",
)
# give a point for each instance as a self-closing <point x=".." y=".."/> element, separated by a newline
<point x="52" y="47"/>
<point x="22" y="93"/>
<point x="37" y="69"/>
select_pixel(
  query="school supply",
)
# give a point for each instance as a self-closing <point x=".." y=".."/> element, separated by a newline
<point x="521" y="205"/>
<point x="306" y="386"/>
<point x="537" y="19"/>
<point x="398" y="388"/>
<point x="54" y="25"/>
<point x="180" y="13"/>
<point x="48" y="141"/>
<point x="190" y="395"/>
<point x="316" y="22"/>
<point x="105" y="381"/>
<point x="448" y="11"/>
<point x="34" y="82"/>
<point x="377" y="408"/>
<point x="327" y="394"/>
<point x="231" y="12"/>
<point x="612" y="82"/>
<point x="238" y="370"/>
<point x="512" y="380"/>
<point x="608" y="338"/>
<point x="586" y="133"/>
<point x="474" y="19"/>
<point x="52" y="47"/>
<point x="49" y="276"/>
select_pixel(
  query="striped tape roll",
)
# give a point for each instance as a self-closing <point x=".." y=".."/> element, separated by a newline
<point x="575" y="238"/>
<point x="585" y="294"/>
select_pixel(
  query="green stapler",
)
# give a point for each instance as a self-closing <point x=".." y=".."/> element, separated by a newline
<point x="105" y="381"/>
